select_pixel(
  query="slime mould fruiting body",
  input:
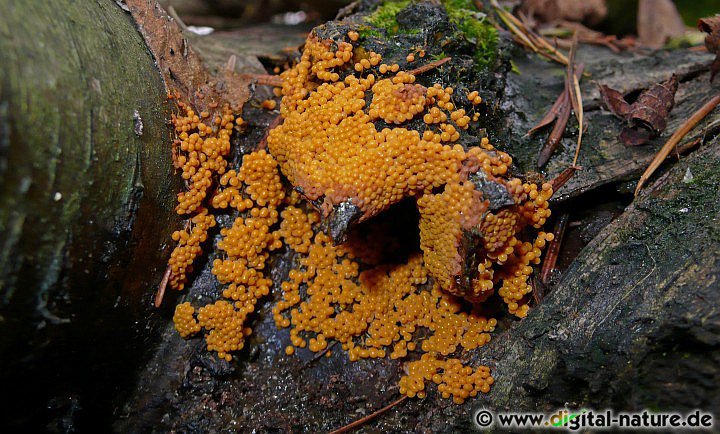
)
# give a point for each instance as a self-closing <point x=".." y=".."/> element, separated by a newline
<point x="359" y="135"/>
<point x="332" y="150"/>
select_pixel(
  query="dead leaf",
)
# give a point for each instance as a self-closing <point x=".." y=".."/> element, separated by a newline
<point x="647" y="116"/>
<point x="553" y="113"/>
<point x="547" y="11"/>
<point x="614" y="101"/>
<point x="657" y="22"/>
<point x="633" y="136"/>
<point x="711" y="26"/>
<point x="653" y="105"/>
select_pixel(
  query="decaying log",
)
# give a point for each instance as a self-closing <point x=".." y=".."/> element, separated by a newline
<point x="86" y="194"/>
<point x="636" y="306"/>
<point x="86" y="204"/>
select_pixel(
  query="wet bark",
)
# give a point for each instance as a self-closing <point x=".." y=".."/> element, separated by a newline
<point x="86" y="208"/>
<point x="86" y="197"/>
<point x="633" y="323"/>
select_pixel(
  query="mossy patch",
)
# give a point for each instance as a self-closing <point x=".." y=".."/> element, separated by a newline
<point x="476" y="28"/>
<point x="384" y="16"/>
<point x="472" y="25"/>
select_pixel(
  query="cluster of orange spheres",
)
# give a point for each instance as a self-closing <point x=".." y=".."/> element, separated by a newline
<point x="255" y="189"/>
<point x="203" y="142"/>
<point x="453" y="379"/>
<point x="329" y="147"/>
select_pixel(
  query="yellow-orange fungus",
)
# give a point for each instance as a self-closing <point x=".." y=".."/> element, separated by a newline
<point x="345" y="137"/>
<point x="269" y="104"/>
<point x="201" y="146"/>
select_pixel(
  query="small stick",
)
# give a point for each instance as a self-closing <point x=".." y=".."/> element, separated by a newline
<point x="556" y="108"/>
<point x="563" y="116"/>
<point x="516" y="31"/>
<point x="563" y="178"/>
<point x="174" y="15"/>
<point x="319" y="355"/>
<point x="551" y="256"/>
<point x="555" y="135"/>
<point x="552" y="114"/>
<point x="528" y="38"/>
<point x="429" y="66"/>
<point x="537" y="295"/>
<point x="163" y="284"/>
<point x="368" y="418"/>
<point x="264" y="79"/>
<point x="675" y="139"/>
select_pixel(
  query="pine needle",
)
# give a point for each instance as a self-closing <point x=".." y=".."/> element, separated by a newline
<point x="369" y="417"/>
<point x="573" y="84"/>
<point x="527" y="37"/>
<point x="675" y="139"/>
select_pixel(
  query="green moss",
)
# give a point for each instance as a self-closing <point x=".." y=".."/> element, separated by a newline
<point x="474" y="27"/>
<point x="471" y="23"/>
<point x="367" y="31"/>
<point x="439" y="56"/>
<point x="384" y="16"/>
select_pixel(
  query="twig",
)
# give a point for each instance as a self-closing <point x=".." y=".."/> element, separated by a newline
<point x="274" y="123"/>
<point x="163" y="284"/>
<point x="429" y="66"/>
<point x="527" y="37"/>
<point x="265" y="79"/>
<point x="369" y="417"/>
<point x="173" y="13"/>
<point x="556" y="134"/>
<point x="563" y="178"/>
<point x="552" y="114"/>
<point x="560" y="112"/>
<point x="318" y="356"/>
<point x="551" y="255"/>
<point x="536" y="294"/>
<point x="675" y="139"/>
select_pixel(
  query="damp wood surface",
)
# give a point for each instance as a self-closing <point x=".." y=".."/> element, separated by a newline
<point x="639" y="303"/>
<point x="78" y="269"/>
<point x="635" y="303"/>
<point x="86" y="192"/>
<point x="604" y="158"/>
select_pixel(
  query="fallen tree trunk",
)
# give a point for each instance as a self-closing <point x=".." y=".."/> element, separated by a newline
<point x="632" y="324"/>
<point x="638" y="304"/>
<point x="86" y="197"/>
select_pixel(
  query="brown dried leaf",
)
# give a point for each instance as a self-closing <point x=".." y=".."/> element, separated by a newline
<point x="556" y="133"/>
<point x="653" y="106"/>
<point x="647" y="116"/>
<point x="614" y="101"/>
<point x="552" y="114"/>
<point x="711" y="26"/>
<point x="657" y="22"/>
<point x="560" y="112"/>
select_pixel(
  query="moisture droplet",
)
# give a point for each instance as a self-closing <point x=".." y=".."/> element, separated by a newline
<point x="688" y="178"/>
